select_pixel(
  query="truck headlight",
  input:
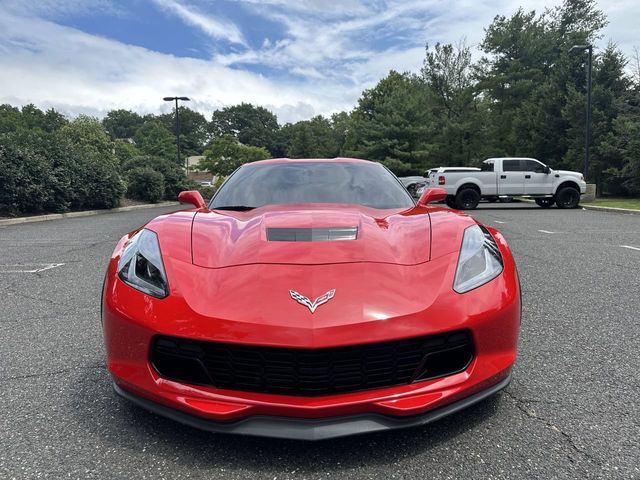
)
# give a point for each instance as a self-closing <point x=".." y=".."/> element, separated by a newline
<point x="141" y="267"/>
<point x="480" y="260"/>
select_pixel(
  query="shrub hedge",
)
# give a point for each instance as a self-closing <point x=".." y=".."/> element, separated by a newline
<point x="145" y="184"/>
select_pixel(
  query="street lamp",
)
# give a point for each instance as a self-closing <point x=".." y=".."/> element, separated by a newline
<point x="587" y="134"/>
<point x="184" y="99"/>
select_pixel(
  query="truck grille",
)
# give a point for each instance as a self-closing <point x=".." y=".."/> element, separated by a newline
<point x="311" y="372"/>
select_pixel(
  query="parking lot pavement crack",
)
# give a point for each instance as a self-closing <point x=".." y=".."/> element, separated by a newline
<point x="24" y="296"/>
<point x="62" y="371"/>
<point x="521" y="405"/>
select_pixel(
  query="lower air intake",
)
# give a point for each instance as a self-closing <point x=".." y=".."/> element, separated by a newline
<point x="311" y="372"/>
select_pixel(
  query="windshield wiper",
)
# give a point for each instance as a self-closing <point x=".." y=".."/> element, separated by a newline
<point x="240" y="208"/>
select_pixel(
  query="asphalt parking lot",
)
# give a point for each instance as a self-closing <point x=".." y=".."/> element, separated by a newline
<point x="571" y="411"/>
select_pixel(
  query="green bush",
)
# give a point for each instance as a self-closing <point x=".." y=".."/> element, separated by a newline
<point x="47" y="172"/>
<point x="206" y="191"/>
<point x="145" y="184"/>
<point x="175" y="180"/>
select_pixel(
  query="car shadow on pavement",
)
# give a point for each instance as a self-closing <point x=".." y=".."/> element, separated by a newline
<point x="130" y="428"/>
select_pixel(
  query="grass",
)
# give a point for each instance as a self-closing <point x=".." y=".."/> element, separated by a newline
<point x="616" y="202"/>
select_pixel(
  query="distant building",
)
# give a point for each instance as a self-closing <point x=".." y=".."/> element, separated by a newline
<point x="194" y="161"/>
<point x="198" y="176"/>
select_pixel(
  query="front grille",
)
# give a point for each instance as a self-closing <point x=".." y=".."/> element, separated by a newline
<point x="311" y="372"/>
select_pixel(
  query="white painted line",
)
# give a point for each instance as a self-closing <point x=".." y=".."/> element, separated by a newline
<point x="29" y="267"/>
<point x="498" y="221"/>
<point x="546" y="231"/>
<point x="630" y="247"/>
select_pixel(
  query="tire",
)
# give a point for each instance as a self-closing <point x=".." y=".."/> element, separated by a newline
<point x="545" y="202"/>
<point x="567" y="197"/>
<point x="467" y="199"/>
<point x="450" y="201"/>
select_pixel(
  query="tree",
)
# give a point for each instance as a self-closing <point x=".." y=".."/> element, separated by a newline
<point x="461" y="136"/>
<point x="315" y="138"/>
<point x="153" y="138"/>
<point x="28" y="118"/>
<point x="122" y="123"/>
<point x="91" y="138"/>
<point x="96" y="183"/>
<point x="225" y="154"/>
<point x="610" y="84"/>
<point x="530" y="81"/>
<point x="251" y="125"/>
<point x="193" y="129"/>
<point x="392" y="124"/>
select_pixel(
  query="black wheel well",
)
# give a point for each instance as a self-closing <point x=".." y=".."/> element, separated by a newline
<point x="568" y="184"/>
<point x="473" y="186"/>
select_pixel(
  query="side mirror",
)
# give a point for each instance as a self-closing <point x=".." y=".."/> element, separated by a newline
<point x="193" y="197"/>
<point x="547" y="170"/>
<point x="431" y="195"/>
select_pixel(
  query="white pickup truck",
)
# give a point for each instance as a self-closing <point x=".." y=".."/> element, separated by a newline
<point x="510" y="177"/>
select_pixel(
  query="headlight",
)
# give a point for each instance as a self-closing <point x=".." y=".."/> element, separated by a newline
<point x="480" y="260"/>
<point x="141" y="267"/>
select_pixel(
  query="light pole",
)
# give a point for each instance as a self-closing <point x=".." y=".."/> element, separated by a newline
<point x="184" y="99"/>
<point x="587" y="134"/>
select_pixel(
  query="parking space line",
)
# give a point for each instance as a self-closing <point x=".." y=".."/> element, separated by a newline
<point x="498" y="221"/>
<point x="547" y="231"/>
<point x="630" y="247"/>
<point x="29" y="267"/>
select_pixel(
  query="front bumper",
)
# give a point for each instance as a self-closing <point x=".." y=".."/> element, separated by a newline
<point x="491" y="313"/>
<point x="307" y="428"/>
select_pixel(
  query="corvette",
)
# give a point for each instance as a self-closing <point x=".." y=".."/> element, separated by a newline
<point x="310" y="299"/>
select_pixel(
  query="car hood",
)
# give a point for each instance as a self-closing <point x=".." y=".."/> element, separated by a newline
<point x="568" y="173"/>
<point x="230" y="238"/>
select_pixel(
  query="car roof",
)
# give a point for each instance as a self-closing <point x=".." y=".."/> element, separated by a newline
<point x="511" y="158"/>
<point x="309" y="160"/>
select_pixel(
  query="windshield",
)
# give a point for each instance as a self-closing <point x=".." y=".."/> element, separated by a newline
<point x="368" y="184"/>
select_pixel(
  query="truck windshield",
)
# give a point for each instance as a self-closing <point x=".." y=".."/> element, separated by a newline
<point x="255" y="185"/>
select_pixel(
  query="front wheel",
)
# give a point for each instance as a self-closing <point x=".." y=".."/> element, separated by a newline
<point x="545" y="202"/>
<point x="467" y="199"/>
<point x="568" y="197"/>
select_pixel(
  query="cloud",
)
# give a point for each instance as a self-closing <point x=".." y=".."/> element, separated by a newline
<point x="299" y="58"/>
<point x="55" y="66"/>
<point x="215" y="28"/>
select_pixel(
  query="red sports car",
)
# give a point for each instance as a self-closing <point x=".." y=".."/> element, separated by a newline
<point x="310" y="299"/>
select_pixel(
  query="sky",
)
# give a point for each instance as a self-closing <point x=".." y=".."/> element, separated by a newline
<point x="298" y="58"/>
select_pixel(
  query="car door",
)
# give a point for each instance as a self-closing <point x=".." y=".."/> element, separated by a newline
<point x="536" y="181"/>
<point x="511" y="178"/>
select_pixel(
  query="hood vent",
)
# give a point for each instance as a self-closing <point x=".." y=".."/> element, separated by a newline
<point x="311" y="234"/>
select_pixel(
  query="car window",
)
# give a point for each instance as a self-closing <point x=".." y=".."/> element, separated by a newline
<point x="487" y="167"/>
<point x="532" y="166"/>
<point x="511" y="166"/>
<point x="368" y="184"/>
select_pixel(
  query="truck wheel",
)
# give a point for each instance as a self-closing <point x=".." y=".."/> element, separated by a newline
<point x="467" y="199"/>
<point x="567" y="197"/>
<point x="545" y="202"/>
<point x="450" y="201"/>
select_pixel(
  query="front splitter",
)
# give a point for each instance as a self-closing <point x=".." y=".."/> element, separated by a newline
<point x="311" y="429"/>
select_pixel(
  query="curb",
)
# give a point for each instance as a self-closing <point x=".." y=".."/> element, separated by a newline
<point x="595" y="207"/>
<point x="85" y="213"/>
<point x="610" y="209"/>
